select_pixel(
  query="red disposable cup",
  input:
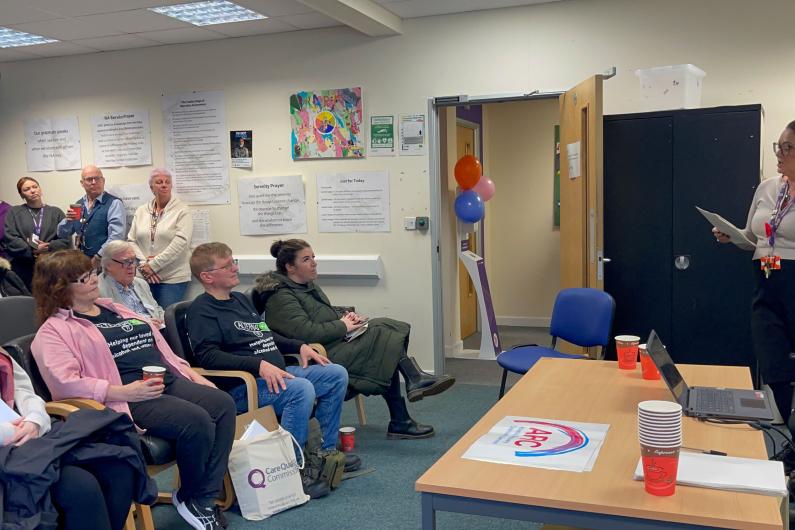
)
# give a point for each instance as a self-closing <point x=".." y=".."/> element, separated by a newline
<point x="77" y="209"/>
<point x="347" y="438"/>
<point x="154" y="372"/>
<point x="648" y="367"/>
<point x="660" y="465"/>
<point x="627" y="351"/>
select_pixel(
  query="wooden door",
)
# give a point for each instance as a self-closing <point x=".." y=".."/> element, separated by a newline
<point x="581" y="195"/>
<point x="465" y="137"/>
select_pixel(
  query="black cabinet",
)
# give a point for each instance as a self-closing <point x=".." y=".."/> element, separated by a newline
<point x="667" y="272"/>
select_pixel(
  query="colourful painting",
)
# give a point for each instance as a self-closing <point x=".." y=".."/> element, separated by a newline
<point x="327" y="124"/>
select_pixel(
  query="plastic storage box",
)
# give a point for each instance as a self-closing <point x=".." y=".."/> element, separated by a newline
<point x="671" y="87"/>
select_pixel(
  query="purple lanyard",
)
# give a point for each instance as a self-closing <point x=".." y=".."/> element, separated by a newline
<point x="37" y="224"/>
<point x="783" y="205"/>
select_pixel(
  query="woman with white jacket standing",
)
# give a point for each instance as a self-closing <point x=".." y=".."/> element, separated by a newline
<point x="160" y="233"/>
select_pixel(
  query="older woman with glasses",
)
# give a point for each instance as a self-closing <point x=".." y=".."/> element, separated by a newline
<point x="90" y="347"/>
<point x="771" y="227"/>
<point x="119" y="282"/>
<point x="160" y="233"/>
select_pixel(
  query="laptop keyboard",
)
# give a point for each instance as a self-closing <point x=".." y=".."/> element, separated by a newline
<point x="714" y="400"/>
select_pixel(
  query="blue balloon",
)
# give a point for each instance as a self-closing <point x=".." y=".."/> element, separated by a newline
<point x="469" y="207"/>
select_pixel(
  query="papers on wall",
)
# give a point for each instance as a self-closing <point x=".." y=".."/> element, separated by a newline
<point x="357" y="201"/>
<point x="133" y="196"/>
<point x="52" y="143"/>
<point x="272" y="205"/>
<point x="194" y="126"/>
<point x="201" y="227"/>
<point x="573" y="158"/>
<point x="412" y="134"/>
<point x="242" y="145"/>
<point x="727" y="473"/>
<point x="382" y="136"/>
<point x="122" y="139"/>
<point x="538" y="442"/>
<point x="735" y="234"/>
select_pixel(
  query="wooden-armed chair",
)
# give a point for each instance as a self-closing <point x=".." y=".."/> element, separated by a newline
<point x="158" y="453"/>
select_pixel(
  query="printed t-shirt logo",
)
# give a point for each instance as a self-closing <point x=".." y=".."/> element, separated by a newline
<point x="257" y="329"/>
<point x="125" y="325"/>
<point x="541" y="438"/>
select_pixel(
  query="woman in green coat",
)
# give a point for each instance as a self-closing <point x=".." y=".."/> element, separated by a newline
<point x="376" y="349"/>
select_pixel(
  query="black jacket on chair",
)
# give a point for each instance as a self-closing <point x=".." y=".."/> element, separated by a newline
<point x="28" y="471"/>
<point x="10" y="283"/>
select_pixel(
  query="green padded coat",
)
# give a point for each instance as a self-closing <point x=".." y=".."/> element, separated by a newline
<point x="304" y="312"/>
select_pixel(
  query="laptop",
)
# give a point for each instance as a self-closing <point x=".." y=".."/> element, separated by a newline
<point x="706" y="402"/>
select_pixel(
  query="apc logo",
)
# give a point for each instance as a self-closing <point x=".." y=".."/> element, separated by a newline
<point x="541" y="438"/>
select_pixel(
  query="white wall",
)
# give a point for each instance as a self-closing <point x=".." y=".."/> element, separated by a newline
<point x="744" y="50"/>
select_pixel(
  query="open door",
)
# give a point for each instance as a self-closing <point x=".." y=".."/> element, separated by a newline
<point x="468" y="301"/>
<point x="581" y="191"/>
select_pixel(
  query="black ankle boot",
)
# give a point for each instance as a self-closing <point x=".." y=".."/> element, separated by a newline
<point x="408" y="430"/>
<point x="420" y="384"/>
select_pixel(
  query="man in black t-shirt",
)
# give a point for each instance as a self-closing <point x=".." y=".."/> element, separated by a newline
<point x="227" y="333"/>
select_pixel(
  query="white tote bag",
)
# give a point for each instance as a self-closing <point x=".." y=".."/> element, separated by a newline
<point x="266" y="475"/>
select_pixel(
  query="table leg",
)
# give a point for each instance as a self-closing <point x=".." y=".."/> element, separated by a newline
<point x="428" y="512"/>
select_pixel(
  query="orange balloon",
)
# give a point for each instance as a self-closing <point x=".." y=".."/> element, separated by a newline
<point x="467" y="171"/>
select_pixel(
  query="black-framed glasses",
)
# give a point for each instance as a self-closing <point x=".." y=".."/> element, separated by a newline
<point x="785" y="148"/>
<point x="87" y="277"/>
<point x="226" y="267"/>
<point x="132" y="262"/>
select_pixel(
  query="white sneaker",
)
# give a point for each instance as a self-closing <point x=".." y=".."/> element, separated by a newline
<point x="198" y="517"/>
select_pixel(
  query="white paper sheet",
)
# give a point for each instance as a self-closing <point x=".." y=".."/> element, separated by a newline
<point x="735" y="234"/>
<point x="254" y="428"/>
<point x="201" y="227"/>
<point x="573" y="159"/>
<point x="122" y="139"/>
<point x="194" y="126"/>
<point x="52" y="143"/>
<point x="133" y="196"/>
<point x="357" y="201"/>
<point x="730" y="473"/>
<point x="7" y="413"/>
<point x="272" y="205"/>
<point x="539" y="442"/>
<point x="412" y="134"/>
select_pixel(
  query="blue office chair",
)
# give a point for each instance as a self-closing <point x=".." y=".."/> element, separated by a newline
<point x="581" y="316"/>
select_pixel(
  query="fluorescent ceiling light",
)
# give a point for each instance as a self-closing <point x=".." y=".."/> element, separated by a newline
<point x="11" y="38"/>
<point x="209" y="12"/>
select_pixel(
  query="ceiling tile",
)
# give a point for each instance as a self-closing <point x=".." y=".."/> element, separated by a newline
<point x="15" y="54"/>
<point x="176" y="36"/>
<point x="276" y="8"/>
<point x="18" y="12"/>
<point x="310" y="21"/>
<point x="135" y="21"/>
<point x="117" y="42"/>
<point x="76" y="8"/>
<point x="54" y="49"/>
<point x="254" y="27"/>
<point x="65" y="29"/>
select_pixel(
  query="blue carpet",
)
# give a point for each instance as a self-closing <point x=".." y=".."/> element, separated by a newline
<point x="385" y="499"/>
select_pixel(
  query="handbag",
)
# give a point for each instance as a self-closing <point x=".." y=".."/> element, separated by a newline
<point x="266" y="474"/>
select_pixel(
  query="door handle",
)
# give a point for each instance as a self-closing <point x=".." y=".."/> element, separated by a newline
<point x="682" y="262"/>
<point x="606" y="260"/>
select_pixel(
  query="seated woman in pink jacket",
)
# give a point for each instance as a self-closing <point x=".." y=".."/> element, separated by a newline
<point x="89" y="347"/>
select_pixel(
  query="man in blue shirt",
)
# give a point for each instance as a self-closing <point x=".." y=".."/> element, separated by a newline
<point x="101" y="220"/>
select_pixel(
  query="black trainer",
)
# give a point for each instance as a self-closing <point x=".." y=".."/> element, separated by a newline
<point x="198" y="517"/>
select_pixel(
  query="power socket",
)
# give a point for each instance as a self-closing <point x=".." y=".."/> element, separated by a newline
<point x="410" y="223"/>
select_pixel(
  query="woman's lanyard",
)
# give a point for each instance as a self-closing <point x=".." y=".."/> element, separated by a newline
<point x="155" y="218"/>
<point x="784" y="203"/>
<point x="37" y="222"/>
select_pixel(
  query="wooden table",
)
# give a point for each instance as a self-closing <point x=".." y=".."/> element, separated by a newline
<point x="607" y="497"/>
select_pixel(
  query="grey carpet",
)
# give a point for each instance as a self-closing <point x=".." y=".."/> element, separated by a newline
<point x="386" y="498"/>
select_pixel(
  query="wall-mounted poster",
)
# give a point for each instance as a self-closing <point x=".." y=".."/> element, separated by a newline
<point x="327" y="124"/>
<point x="52" y="143"/>
<point x="272" y="205"/>
<point x="242" y="144"/>
<point x="122" y="139"/>
<point x="356" y="201"/>
<point x="382" y="136"/>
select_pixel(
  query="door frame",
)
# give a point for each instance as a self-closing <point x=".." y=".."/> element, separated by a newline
<point x="477" y="151"/>
<point x="435" y="171"/>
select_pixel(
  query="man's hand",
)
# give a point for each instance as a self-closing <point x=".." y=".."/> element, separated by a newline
<point x="23" y="431"/>
<point x="274" y="377"/>
<point x="70" y="215"/>
<point x="351" y="321"/>
<point x="308" y="354"/>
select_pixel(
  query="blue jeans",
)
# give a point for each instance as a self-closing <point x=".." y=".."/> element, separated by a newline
<point x="294" y="405"/>
<point x="168" y="293"/>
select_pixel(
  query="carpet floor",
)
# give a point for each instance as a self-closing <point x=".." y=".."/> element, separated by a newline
<point x="384" y="499"/>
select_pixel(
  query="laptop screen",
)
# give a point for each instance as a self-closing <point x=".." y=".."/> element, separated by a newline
<point x="667" y="368"/>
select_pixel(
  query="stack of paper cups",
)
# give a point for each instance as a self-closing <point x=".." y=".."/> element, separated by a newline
<point x="660" y="437"/>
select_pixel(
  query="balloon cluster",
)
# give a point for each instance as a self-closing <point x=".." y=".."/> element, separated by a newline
<point x="476" y="189"/>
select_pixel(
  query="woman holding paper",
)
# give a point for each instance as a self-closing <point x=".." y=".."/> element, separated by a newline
<point x="771" y="225"/>
<point x="296" y="307"/>
<point x="160" y="233"/>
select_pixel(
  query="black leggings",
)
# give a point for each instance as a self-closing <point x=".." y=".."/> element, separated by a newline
<point x="95" y="495"/>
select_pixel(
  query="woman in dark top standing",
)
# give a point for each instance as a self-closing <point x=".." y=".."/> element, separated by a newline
<point x="31" y="229"/>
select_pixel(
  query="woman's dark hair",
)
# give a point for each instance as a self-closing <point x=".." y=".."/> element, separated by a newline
<point x="21" y="182"/>
<point x="51" y="278"/>
<point x="791" y="126"/>
<point x="286" y="251"/>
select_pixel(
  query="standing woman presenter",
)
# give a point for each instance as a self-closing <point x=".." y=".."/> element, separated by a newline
<point x="771" y="226"/>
